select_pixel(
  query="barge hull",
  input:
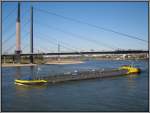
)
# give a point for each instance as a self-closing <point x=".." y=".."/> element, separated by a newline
<point x="85" y="75"/>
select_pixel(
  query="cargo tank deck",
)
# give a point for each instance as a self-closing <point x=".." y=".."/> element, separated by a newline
<point x="90" y="74"/>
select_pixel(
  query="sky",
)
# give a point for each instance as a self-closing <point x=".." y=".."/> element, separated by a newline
<point x="51" y="26"/>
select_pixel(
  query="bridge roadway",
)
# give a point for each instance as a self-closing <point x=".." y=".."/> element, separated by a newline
<point x="82" y="53"/>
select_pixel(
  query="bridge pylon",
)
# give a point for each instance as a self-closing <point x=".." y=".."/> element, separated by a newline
<point x="18" y="36"/>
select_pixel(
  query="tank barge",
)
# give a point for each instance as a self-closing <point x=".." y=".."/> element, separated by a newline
<point x="84" y="75"/>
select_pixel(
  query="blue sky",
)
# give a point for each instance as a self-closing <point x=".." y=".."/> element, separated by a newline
<point x="126" y="17"/>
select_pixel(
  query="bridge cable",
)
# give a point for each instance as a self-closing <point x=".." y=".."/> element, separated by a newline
<point x="46" y="48"/>
<point x="57" y="40"/>
<point x="92" y="25"/>
<point x="11" y="12"/>
<point x="62" y="45"/>
<point x="6" y="40"/>
<point x="55" y="43"/>
<point x="5" y="31"/>
<point x="81" y="37"/>
<point x="10" y="48"/>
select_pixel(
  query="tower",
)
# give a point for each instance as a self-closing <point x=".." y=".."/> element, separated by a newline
<point x="18" y="35"/>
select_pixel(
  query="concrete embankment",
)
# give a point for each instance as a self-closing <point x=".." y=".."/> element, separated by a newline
<point x="93" y="74"/>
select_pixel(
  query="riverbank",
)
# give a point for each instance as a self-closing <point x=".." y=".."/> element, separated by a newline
<point x="47" y="63"/>
<point x="55" y="62"/>
<point x="17" y="65"/>
<point x="64" y="62"/>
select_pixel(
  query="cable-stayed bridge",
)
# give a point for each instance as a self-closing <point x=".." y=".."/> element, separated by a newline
<point x="83" y="53"/>
<point x="18" y="51"/>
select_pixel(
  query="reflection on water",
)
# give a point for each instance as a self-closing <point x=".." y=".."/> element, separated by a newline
<point x="18" y="73"/>
<point x="132" y="81"/>
<point x="31" y="73"/>
<point x="133" y="76"/>
<point x="29" y="87"/>
<point x="122" y="93"/>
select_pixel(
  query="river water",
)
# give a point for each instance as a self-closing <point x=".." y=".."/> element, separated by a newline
<point x="124" y="93"/>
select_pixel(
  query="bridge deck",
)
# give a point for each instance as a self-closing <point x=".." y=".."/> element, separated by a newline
<point x="81" y="53"/>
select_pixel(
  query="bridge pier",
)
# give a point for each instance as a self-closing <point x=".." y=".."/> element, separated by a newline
<point x="13" y="59"/>
<point x="4" y="60"/>
<point x="18" y="57"/>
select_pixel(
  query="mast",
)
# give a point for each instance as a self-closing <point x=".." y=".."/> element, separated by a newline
<point x="31" y="36"/>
